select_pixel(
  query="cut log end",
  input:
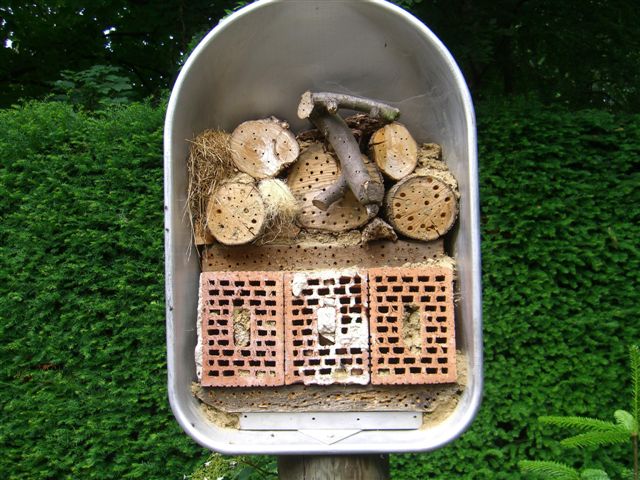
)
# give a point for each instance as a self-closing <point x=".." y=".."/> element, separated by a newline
<point x="305" y="107"/>
<point x="315" y="172"/>
<point x="421" y="207"/>
<point x="263" y="148"/>
<point x="236" y="214"/>
<point x="394" y="150"/>
<point x="373" y="188"/>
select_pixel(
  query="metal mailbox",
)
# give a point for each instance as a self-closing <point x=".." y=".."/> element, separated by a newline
<point x="256" y="63"/>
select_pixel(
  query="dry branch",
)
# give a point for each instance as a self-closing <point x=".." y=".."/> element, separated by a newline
<point x="315" y="171"/>
<point x="337" y="190"/>
<point x="320" y="108"/>
<point x="331" y="102"/>
<point x="362" y="127"/>
<point x="366" y="190"/>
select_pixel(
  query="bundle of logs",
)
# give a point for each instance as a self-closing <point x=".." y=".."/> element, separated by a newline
<point x="365" y="171"/>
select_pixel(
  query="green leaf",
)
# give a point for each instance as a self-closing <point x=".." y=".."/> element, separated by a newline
<point x="593" y="474"/>
<point x="626" y="420"/>
<point x="549" y="470"/>
<point x="596" y="439"/>
<point x="582" y="424"/>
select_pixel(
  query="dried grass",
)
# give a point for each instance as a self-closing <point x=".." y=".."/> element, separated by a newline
<point x="209" y="164"/>
<point x="281" y="207"/>
<point x="279" y="202"/>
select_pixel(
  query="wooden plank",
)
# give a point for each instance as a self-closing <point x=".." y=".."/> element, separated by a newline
<point x="310" y="256"/>
<point x="343" y="398"/>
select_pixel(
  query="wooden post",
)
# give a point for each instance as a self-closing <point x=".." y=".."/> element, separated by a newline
<point x="334" y="467"/>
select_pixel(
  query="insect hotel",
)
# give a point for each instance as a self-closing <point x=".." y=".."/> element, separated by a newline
<point x="322" y="249"/>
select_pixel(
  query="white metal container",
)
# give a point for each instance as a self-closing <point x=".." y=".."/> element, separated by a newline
<point x="256" y="63"/>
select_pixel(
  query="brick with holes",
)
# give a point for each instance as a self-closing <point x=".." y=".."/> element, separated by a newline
<point x="242" y="329"/>
<point x="412" y="325"/>
<point x="326" y="327"/>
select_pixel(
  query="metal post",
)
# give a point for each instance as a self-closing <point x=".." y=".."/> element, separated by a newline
<point x="334" y="467"/>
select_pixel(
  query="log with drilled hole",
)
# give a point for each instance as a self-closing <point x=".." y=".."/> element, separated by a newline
<point x="313" y="173"/>
<point x="263" y="148"/>
<point x="236" y="213"/>
<point x="394" y="150"/>
<point x="321" y="109"/>
<point x="421" y="207"/>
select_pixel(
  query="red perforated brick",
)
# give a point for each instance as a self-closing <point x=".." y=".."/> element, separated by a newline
<point x="326" y="327"/>
<point x="412" y="325"/>
<point x="242" y="329"/>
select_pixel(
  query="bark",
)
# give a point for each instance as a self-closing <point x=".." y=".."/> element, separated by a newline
<point x="378" y="229"/>
<point x="366" y="190"/>
<point x="336" y="467"/>
<point x="331" y="102"/>
<point x="320" y="108"/>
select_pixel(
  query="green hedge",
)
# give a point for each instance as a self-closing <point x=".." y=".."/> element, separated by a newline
<point x="82" y="303"/>
<point x="82" y="351"/>
<point x="560" y="208"/>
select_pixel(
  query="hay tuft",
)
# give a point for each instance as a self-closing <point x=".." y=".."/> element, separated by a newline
<point x="279" y="202"/>
<point x="281" y="207"/>
<point x="209" y="164"/>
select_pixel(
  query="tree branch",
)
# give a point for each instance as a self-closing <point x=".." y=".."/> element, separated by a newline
<point x="331" y="102"/>
<point x="320" y="108"/>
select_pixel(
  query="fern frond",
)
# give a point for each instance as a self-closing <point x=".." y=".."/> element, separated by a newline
<point x="597" y="439"/>
<point x="626" y="421"/>
<point x="549" y="470"/>
<point x="634" y="357"/>
<point x="594" y="474"/>
<point x="581" y="424"/>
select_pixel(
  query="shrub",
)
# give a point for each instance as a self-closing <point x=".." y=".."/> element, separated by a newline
<point x="83" y="370"/>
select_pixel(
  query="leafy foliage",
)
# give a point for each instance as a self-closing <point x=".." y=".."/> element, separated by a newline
<point x="98" y="86"/>
<point x="595" y="433"/>
<point x="593" y="474"/>
<point x="580" y="424"/>
<point x="560" y="214"/>
<point x="236" y="468"/>
<point x="559" y="471"/>
<point x="550" y="470"/>
<point x="505" y="47"/>
<point x="83" y="372"/>
<point x="634" y="354"/>
<point x="596" y="439"/>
